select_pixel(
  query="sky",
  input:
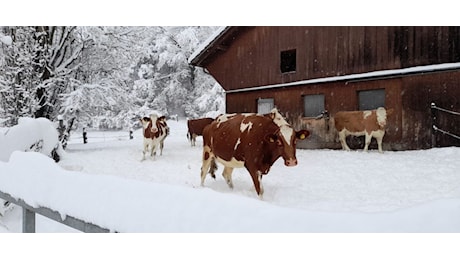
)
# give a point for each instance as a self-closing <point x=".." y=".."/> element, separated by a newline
<point x="329" y="195"/>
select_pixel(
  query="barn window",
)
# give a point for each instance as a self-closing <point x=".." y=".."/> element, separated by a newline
<point x="288" y="61"/>
<point x="313" y="105"/>
<point x="371" y="99"/>
<point x="265" y="105"/>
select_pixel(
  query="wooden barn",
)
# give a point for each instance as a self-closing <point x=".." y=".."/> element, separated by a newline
<point x="311" y="73"/>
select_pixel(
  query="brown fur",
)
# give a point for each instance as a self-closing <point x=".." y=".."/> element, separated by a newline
<point x="195" y="128"/>
<point x="257" y="147"/>
<point x="361" y="123"/>
<point x="154" y="136"/>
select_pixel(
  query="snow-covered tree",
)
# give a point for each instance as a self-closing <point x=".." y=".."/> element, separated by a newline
<point x="16" y="74"/>
<point x="39" y="66"/>
<point x="173" y="83"/>
<point x="102" y="76"/>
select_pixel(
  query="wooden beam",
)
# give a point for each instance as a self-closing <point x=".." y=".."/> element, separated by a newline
<point x="29" y="212"/>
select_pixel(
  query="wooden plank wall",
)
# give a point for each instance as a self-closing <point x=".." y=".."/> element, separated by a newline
<point x="409" y="127"/>
<point x="253" y="59"/>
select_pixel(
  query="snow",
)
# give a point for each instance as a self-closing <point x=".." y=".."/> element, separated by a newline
<point x="40" y="132"/>
<point x="5" y="39"/>
<point x="105" y="182"/>
<point x="207" y="42"/>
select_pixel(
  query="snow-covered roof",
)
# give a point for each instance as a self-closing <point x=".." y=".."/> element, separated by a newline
<point x="207" y="44"/>
<point x="366" y="75"/>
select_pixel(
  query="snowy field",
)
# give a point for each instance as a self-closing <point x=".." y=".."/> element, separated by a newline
<point x="330" y="191"/>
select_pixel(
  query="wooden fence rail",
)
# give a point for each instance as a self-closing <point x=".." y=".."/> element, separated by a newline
<point x="28" y="217"/>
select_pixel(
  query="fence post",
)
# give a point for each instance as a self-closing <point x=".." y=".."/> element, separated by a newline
<point x="28" y="221"/>
<point x="85" y="137"/>
<point x="433" y="124"/>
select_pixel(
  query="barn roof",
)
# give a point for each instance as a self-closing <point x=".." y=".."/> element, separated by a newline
<point x="216" y="43"/>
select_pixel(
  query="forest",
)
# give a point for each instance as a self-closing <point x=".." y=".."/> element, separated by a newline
<point x="103" y="77"/>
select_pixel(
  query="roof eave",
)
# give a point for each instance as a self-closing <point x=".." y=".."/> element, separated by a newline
<point x="199" y="57"/>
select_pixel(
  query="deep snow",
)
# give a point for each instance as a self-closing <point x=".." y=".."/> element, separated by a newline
<point x="105" y="182"/>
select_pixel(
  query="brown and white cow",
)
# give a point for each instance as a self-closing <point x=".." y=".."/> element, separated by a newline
<point x="370" y="123"/>
<point x="195" y="128"/>
<point x="155" y="131"/>
<point x="251" y="141"/>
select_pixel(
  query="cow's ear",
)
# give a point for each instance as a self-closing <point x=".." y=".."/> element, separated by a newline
<point x="271" y="138"/>
<point x="302" y="134"/>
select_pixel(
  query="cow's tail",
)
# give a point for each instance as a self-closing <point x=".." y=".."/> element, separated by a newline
<point x="213" y="167"/>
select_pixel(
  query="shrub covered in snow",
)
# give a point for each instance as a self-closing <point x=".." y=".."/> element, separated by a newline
<point x="31" y="134"/>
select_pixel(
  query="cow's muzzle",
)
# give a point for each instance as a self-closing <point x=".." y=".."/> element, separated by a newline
<point x="290" y="162"/>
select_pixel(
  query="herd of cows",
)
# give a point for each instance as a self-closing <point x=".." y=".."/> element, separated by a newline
<point x="256" y="141"/>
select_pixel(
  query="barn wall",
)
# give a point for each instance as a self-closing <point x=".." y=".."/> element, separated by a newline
<point x="417" y="94"/>
<point x="339" y="96"/>
<point x="409" y="126"/>
<point x="253" y="58"/>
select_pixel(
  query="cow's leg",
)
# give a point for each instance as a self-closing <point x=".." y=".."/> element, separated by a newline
<point x="207" y="164"/>
<point x="193" y="139"/>
<point x="146" y="147"/>
<point x="227" y="173"/>
<point x="153" y="150"/>
<point x="189" y="137"/>
<point x="161" y="148"/>
<point x="367" y="141"/>
<point x="261" y="186"/>
<point x="257" y="179"/>
<point x="379" y="138"/>
<point x="343" y="140"/>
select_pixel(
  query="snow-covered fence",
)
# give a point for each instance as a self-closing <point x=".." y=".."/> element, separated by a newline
<point x="28" y="217"/>
<point x="95" y="136"/>
<point x="435" y="108"/>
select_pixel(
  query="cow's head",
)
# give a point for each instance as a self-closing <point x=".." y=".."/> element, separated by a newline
<point x="154" y="118"/>
<point x="145" y="122"/>
<point x="382" y="114"/>
<point x="284" y="140"/>
<point x="284" y="143"/>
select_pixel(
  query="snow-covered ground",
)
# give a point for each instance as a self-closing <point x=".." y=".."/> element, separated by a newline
<point x="329" y="191"/>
